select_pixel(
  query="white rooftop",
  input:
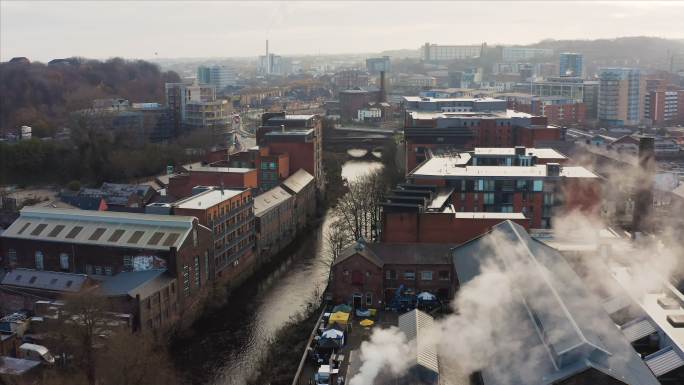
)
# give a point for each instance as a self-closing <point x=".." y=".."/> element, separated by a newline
<point x="451" y="167"/>
<point x="425" y="115"/>
<point x="207" y="199"/>
<point x="541" y="153"/>
<point x="483" y="215"/>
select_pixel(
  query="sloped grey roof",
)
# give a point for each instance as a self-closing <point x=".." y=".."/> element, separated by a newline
<point x="133" y="283"/>
<point x="400" y="253"/>
<point x="359" y="248"/>
<point x="415" y="324"/>
<point x="298" y="181"/>
<point x="558" y="321"/>
<point x="263" y="203"/>
<point x="44" y="280"/>
<point x="105" y="228"/>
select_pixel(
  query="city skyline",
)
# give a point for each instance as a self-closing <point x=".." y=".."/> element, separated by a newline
<point x="178" y="30"/>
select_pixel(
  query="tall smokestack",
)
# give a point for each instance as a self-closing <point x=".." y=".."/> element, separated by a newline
<point x="643" y="199"/>
<point x="268" y="60"/>
<point x="382" y="96"/>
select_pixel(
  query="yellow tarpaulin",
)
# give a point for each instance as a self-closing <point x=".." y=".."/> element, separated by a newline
<point x="339" y="318"/>
<point x="366" y="322"/>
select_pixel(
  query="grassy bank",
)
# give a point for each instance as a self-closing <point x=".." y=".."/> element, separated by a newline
<point x="279" y="364"/>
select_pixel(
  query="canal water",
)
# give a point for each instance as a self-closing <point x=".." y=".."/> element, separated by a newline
<point x="280" y="296"/>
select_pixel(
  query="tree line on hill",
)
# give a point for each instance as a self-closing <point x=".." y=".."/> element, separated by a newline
<point x="42" y="96"/>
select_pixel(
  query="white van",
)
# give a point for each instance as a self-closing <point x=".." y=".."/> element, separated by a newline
<point x="36" y="353"/>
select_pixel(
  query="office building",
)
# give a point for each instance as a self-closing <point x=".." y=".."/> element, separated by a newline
<point x="378" y="64"/>
<point x="518" y="54"/>
<point x="435" y="52"/>
<point x="571" y="64"/>
<point x="575" y="88"/>
<point x="218" y="76"/>
<point x="621" y="96"/>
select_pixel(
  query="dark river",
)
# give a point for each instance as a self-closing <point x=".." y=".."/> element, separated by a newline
<point x="230" y="343"/>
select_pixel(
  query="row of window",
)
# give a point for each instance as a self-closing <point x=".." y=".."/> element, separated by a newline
<point x="425" y="275"/>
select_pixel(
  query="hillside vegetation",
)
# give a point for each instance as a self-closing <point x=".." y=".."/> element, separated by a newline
<point x="42" y="96"/>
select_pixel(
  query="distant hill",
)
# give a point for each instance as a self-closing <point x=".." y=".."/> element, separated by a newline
<point x="42" y="96"/>
<point x="641" y="51"/>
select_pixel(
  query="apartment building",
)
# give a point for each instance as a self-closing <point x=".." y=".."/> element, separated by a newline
<point x="195" y="107"/>
<point x="465" y="124"/>
<point x="621" y="96"/>
<point x="531" y="181"/>
<point x="275" y="222"/>
<point x="229" y="215"/>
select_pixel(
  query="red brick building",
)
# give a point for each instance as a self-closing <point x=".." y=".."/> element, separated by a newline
<point x="368" y="274"/>
<point x="299" y="136"/>
<point x="230" y="216"/>
<point x="430" y="133"/>
<point x="514" y="181"/>
<point x="181" y="185"/>
<point x="105" y="244"/>
<point x="272" y="168"/>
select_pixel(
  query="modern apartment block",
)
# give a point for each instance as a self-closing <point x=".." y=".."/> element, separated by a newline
<point x="582" y="91"/>
<point x="195" y="107"/>
<point x="465" y="124"/>
<point x="230" y="216"/>
<point x="218" y="76"/>
<point x="621" y="96"/>
<point x="435" y="52"/>
<point x="531" y="181"/>
<point x="571" y="64"/>
<point x="663" y="103"/>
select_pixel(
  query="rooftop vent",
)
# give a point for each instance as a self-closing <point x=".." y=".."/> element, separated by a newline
<point x="676" y="320"/>
<point x="668" y="303"/>
<point x="520" y="150"/>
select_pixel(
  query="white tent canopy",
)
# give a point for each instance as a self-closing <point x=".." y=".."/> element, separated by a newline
<point x="425" y="296"/>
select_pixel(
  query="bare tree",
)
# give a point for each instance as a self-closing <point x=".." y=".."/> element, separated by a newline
<point x="359" y="209"/>
<point x="336" y="237"/>
<point x="82" y="322"/>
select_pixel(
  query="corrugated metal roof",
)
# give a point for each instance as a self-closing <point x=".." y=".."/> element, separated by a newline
<point x="637" y="329"/>
<point x="555" y="312"/>
<point x="415" y="324"/>
<point x="664" y="361"/>
<point x="44" y="280"/>
<point x="134" y="283"/>
<point x="105" y="228"/>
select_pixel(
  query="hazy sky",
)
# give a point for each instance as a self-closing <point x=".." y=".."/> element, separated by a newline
<point x="47" y="30"/>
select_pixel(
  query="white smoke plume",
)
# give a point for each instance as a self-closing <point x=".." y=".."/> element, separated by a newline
<point x="472" y="338"/>
<point x="386" y="350"/>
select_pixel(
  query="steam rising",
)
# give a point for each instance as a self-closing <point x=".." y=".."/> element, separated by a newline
<point x="473" y="337"/>
<point x="387" y="349"/>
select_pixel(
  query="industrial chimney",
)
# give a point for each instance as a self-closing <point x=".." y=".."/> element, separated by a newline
<point x="643" y="197"/>
<point x="382" y="97"/>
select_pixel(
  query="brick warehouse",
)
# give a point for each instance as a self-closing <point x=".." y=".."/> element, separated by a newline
<point x="434" y="126"/>
<point x="511" y="181"/>
<point x="368" y="274"/>
<point x="106" y="244"/>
